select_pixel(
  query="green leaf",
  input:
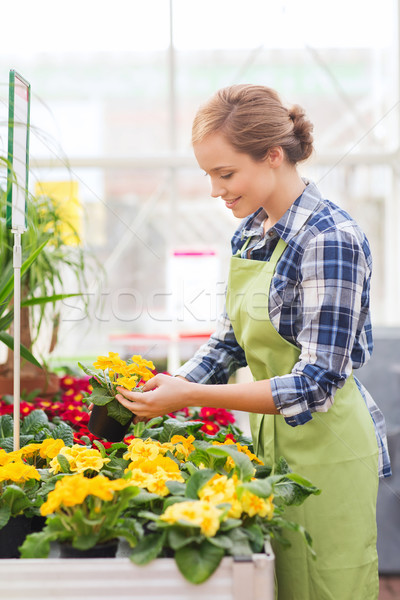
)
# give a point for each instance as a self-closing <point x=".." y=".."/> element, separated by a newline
<point x="222" y="541"/>
<point x="7" y="288"/>
<point x="197" y="481"/>
<point x="37" y="545"/>
<point x="118" y="412"/>
<point x="6" y="426"/>
<point x="64" y="463"/>
<point x="174" y="427"/>
<point x="33" y="422"/>
<point x="241" y="542"/>
<point x="148" y="548"/>
<point x="259" y="487"/>
<point x="45" y="299"/>
<point x="178" y="537"/>
<point x="197" y="562"/>
<point x="64" y="432"/>
<point x="5" y="514"/>
<point x="244" y="466"/>
<point x="8" y="340"/>
<point x="100" y="448"/>
<point x="16" y="499"/>
<point x="100" y="397"/>
<point x="177" y="488"/>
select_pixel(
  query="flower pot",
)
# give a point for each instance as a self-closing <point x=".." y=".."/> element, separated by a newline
<point x="106" y="550"/>
<point x="47" y="384"/>
<point x="103" y="426"/>
<point x="13" y="535"/>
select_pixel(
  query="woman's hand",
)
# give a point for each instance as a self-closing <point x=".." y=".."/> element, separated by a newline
<point x="161" y="395"/>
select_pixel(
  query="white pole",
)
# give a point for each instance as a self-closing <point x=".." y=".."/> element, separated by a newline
<point x="17" y="335"/>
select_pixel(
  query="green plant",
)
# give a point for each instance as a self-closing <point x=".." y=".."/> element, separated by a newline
<point x="47" y="261"/>
<point x="111" y="371"/>
<point x="84" y="512"/>
<point x="35" y="427"/>
<point x="19" y="484"/>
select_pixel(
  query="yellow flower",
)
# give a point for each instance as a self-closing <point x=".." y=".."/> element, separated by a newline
<point x="183" y="446"/>
<point x="254" y="505"/>
<point x="157" y="483"/>
<point x="30" y="449"/>
<point x="221" y="490"/>
<point x="80" y="459"/>
<point x="5" y="457"/>
<point x="50" y="448"/>
<point x="127" y="382"/>
<point x="142" y="449"/>
<point x="112" y="360"/>
<point x="72" y="490"/>
<point x="18" y="472"/>
<point x="167" y="464"/>
<point x="201" y="513"/>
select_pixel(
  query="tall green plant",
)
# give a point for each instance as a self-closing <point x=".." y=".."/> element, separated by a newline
<point x="47" y="260"/>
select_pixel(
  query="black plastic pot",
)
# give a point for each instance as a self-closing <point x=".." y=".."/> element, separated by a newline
<point x="13" y="535"/>
<point x="104" y="426"/>
<point x="106" y="550"/>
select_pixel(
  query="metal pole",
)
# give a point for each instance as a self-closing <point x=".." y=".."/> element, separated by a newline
<point x="17" y="261"/>
<point x="173" y="359"/>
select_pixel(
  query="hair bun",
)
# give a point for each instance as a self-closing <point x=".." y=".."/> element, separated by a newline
<point x="302" y="129"/>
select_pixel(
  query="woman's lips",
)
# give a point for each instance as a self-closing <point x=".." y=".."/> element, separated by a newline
<point x="232" y="203"/>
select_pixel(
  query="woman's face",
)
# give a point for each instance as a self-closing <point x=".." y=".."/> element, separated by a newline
<point x="243" y="183"/>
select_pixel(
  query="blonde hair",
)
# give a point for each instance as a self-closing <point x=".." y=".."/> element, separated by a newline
<point x="253" y="119"/>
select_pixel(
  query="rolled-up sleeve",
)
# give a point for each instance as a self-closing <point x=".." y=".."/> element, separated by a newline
<point x="333" y="289"/>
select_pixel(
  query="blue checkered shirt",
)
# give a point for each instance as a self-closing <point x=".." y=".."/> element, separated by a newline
<point x="319" y="301"/>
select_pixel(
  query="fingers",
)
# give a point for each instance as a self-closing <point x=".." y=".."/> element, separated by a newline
<point x="125" y="402"/>
<point x="154" y="382"/>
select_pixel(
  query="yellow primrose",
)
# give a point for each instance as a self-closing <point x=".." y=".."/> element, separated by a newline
<point x="18" y="472"/>
<point x="72" y="490"/>
<point x="167" y="464"/>
<point x="221" y="490"/>
<point x="157" y="483"/>
<point x="136" y="358"/>
<point x="183" y="446"/>
<point x="201" y="513"/>
<point x="142" y="449"/>
<point x="5" y="457"/>
<point x="254" y="505"/>
<point x="50" y="447"/>
<point x="80" y="459"/>
<point x="30" y="449"/>
<point x="127" y="382"/>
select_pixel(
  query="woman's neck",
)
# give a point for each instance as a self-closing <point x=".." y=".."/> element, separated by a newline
<point x="289" y="187"/>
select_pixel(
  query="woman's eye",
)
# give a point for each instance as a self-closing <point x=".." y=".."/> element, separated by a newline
<point x="226" y="176"/>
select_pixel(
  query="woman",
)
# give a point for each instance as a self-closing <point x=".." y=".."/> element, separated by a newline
<point x="297" y="312"/>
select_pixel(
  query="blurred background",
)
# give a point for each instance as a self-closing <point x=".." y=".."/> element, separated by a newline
<point x="115" y="87"/>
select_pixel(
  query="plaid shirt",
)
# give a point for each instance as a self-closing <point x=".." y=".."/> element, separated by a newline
<point x="319" y="301"/>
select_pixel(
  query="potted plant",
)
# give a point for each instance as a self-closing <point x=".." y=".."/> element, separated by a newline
<point x="85" y="516"/>
<point x="109" y="419"/>
<point x="46" y="258"/>
<point x="19" y="501"/>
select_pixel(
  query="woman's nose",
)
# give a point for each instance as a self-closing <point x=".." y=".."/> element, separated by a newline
<point x="217" y="189"/>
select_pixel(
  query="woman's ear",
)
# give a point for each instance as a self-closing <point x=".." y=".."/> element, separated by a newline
<point x="275" y="157"/>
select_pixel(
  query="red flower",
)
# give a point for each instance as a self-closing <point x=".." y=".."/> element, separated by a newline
<point x="75" y="417"/>
<point x="129" y="438"/>
<point x="26" y="408"/>
<point x="224" y="417"/>
<point x="67" y="382"/>
<point x="210" y="428"/>
<point x="6" y="409"/>
<point x="207" y="412"/>
<point x="229" y="436"/>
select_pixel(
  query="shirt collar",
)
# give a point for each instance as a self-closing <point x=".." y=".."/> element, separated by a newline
<point x="292" y="221"/>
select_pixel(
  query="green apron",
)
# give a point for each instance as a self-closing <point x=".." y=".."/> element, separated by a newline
<point x="337" y="450"/>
